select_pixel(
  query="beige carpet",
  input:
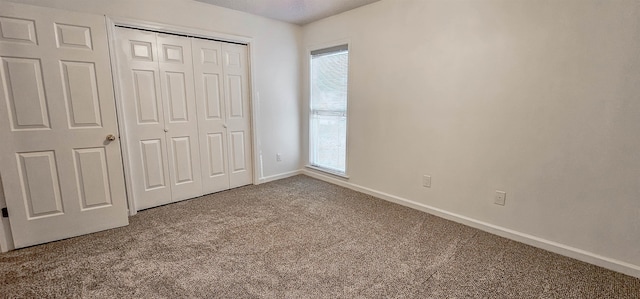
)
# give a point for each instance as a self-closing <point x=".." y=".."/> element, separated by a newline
<point x="298" y="238"/>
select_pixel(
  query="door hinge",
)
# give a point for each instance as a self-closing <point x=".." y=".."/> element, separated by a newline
<point x="5" y="213"/>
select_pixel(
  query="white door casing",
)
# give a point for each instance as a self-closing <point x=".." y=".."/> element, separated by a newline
<point x="238" y="113"/>
<point x="61" y="176"/>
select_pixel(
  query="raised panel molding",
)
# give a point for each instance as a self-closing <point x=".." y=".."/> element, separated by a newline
<point x="177" y="97"/>
<point x="72" y="36"/>
<point x="215" y="150"/>
<point x="212" y="95"/>
<point x="235" y="96"/>
<point x="233" y="59"/>
<point x="81" y="94"/>
<point x="144" y="84"/>
<point x="18" y="30"/>
<point x="237" y="151"/>
<point x="210" y="56"/>
<point x="152" y="164"/>
<point x="24" y="93"/>
<point x="141" y="51"/>
<point x="92" y="175"/>
<point x="172" y="53"/>
<point x="182" y="162"/>
<point x="39" y="181"/>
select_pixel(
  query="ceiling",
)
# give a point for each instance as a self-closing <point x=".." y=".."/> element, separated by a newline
<point x="292" y="11"/>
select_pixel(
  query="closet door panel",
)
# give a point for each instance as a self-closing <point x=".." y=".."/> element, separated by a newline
<point x="208" y="75"/>
<point x="181" y="125"/>
<point x="139" y="73"/>
<point x="236" y="86"/>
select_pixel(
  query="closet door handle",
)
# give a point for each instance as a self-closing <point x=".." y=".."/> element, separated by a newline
<point x="224" y="126"/>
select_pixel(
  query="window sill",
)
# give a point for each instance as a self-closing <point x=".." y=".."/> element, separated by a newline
<point x="328" y="171"/>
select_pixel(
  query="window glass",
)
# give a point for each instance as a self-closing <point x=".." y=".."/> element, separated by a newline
<point x="328" y="119"/>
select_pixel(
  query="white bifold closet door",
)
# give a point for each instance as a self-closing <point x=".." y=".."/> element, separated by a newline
<point x="60" y="159"/>
<point x="221" y="78"/>
<point x="160" y="116"/>
<point x="186" y="113"/>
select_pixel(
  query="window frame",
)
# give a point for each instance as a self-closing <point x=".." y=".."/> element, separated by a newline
<point x="329" y="48"/>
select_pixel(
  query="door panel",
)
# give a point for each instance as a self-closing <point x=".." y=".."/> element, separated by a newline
<point x="144" y="84"/>
<point x="81" y="94"/>
<point x="208" y="79"/>
<point x="209" y="54"/>
<point x="141" y="94"/>
<point x="69" y="36"/>
<point x="176" y="96"/>
<point x="176" y="69"/>
<point x="212" y="96"/>
<point x="61" y="177"/>
<point x="39" y="180"/>
<point x="236" y="85"/>
<point x="172" y="53"/>
<point x="25" y="96"/>
<point x="18" y="30"/>
<point x="235" y="96"/>
<point x="181" y="148"/>
<point x="141" y="50"/>
<point x="215" y="149"/>
<point x="91" y="175"/>
<point x="153" y="164"/>
<point x="238" y="152"/>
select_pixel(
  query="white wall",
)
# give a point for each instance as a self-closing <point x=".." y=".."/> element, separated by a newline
<point x="540" y="99"/>
<point x="275" y="68"/>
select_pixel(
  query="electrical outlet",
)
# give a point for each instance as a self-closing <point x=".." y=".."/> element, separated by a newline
<point x="426" y="181"/>
<point x="501" y="197"/>
<point x="278" y="157"/>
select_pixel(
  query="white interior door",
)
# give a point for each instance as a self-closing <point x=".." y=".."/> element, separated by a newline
<point x="238" y="115"/>
<point x="207" y="68"/>
<point x="181" y="122"/>
<point x="139" y="73"/>
<point x="61" y="176"/>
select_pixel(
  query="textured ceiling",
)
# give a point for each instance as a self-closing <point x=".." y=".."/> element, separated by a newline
<point x="292" y="11"/>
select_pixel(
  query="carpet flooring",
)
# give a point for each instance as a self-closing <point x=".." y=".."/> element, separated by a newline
<point x="298" y="238"/>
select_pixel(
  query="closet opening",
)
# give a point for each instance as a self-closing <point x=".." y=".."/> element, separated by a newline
<point x="184" y="108"/>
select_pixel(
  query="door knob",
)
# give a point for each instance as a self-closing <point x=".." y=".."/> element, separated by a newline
<point x="224" y="126"/>
<point x="166" y="130"/>
<point x="111" y="137"/>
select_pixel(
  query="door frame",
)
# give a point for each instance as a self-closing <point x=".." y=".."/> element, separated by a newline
<point x="112" y="22"/>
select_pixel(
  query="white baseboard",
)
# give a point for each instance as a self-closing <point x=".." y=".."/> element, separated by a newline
<point x="562" y="249"/>
<point x="278" y="176"/>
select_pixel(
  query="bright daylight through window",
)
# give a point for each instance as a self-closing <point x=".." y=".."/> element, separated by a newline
<point x="328" y="115"/>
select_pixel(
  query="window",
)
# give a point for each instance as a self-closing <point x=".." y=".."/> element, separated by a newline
<point x="328" y="115"/>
